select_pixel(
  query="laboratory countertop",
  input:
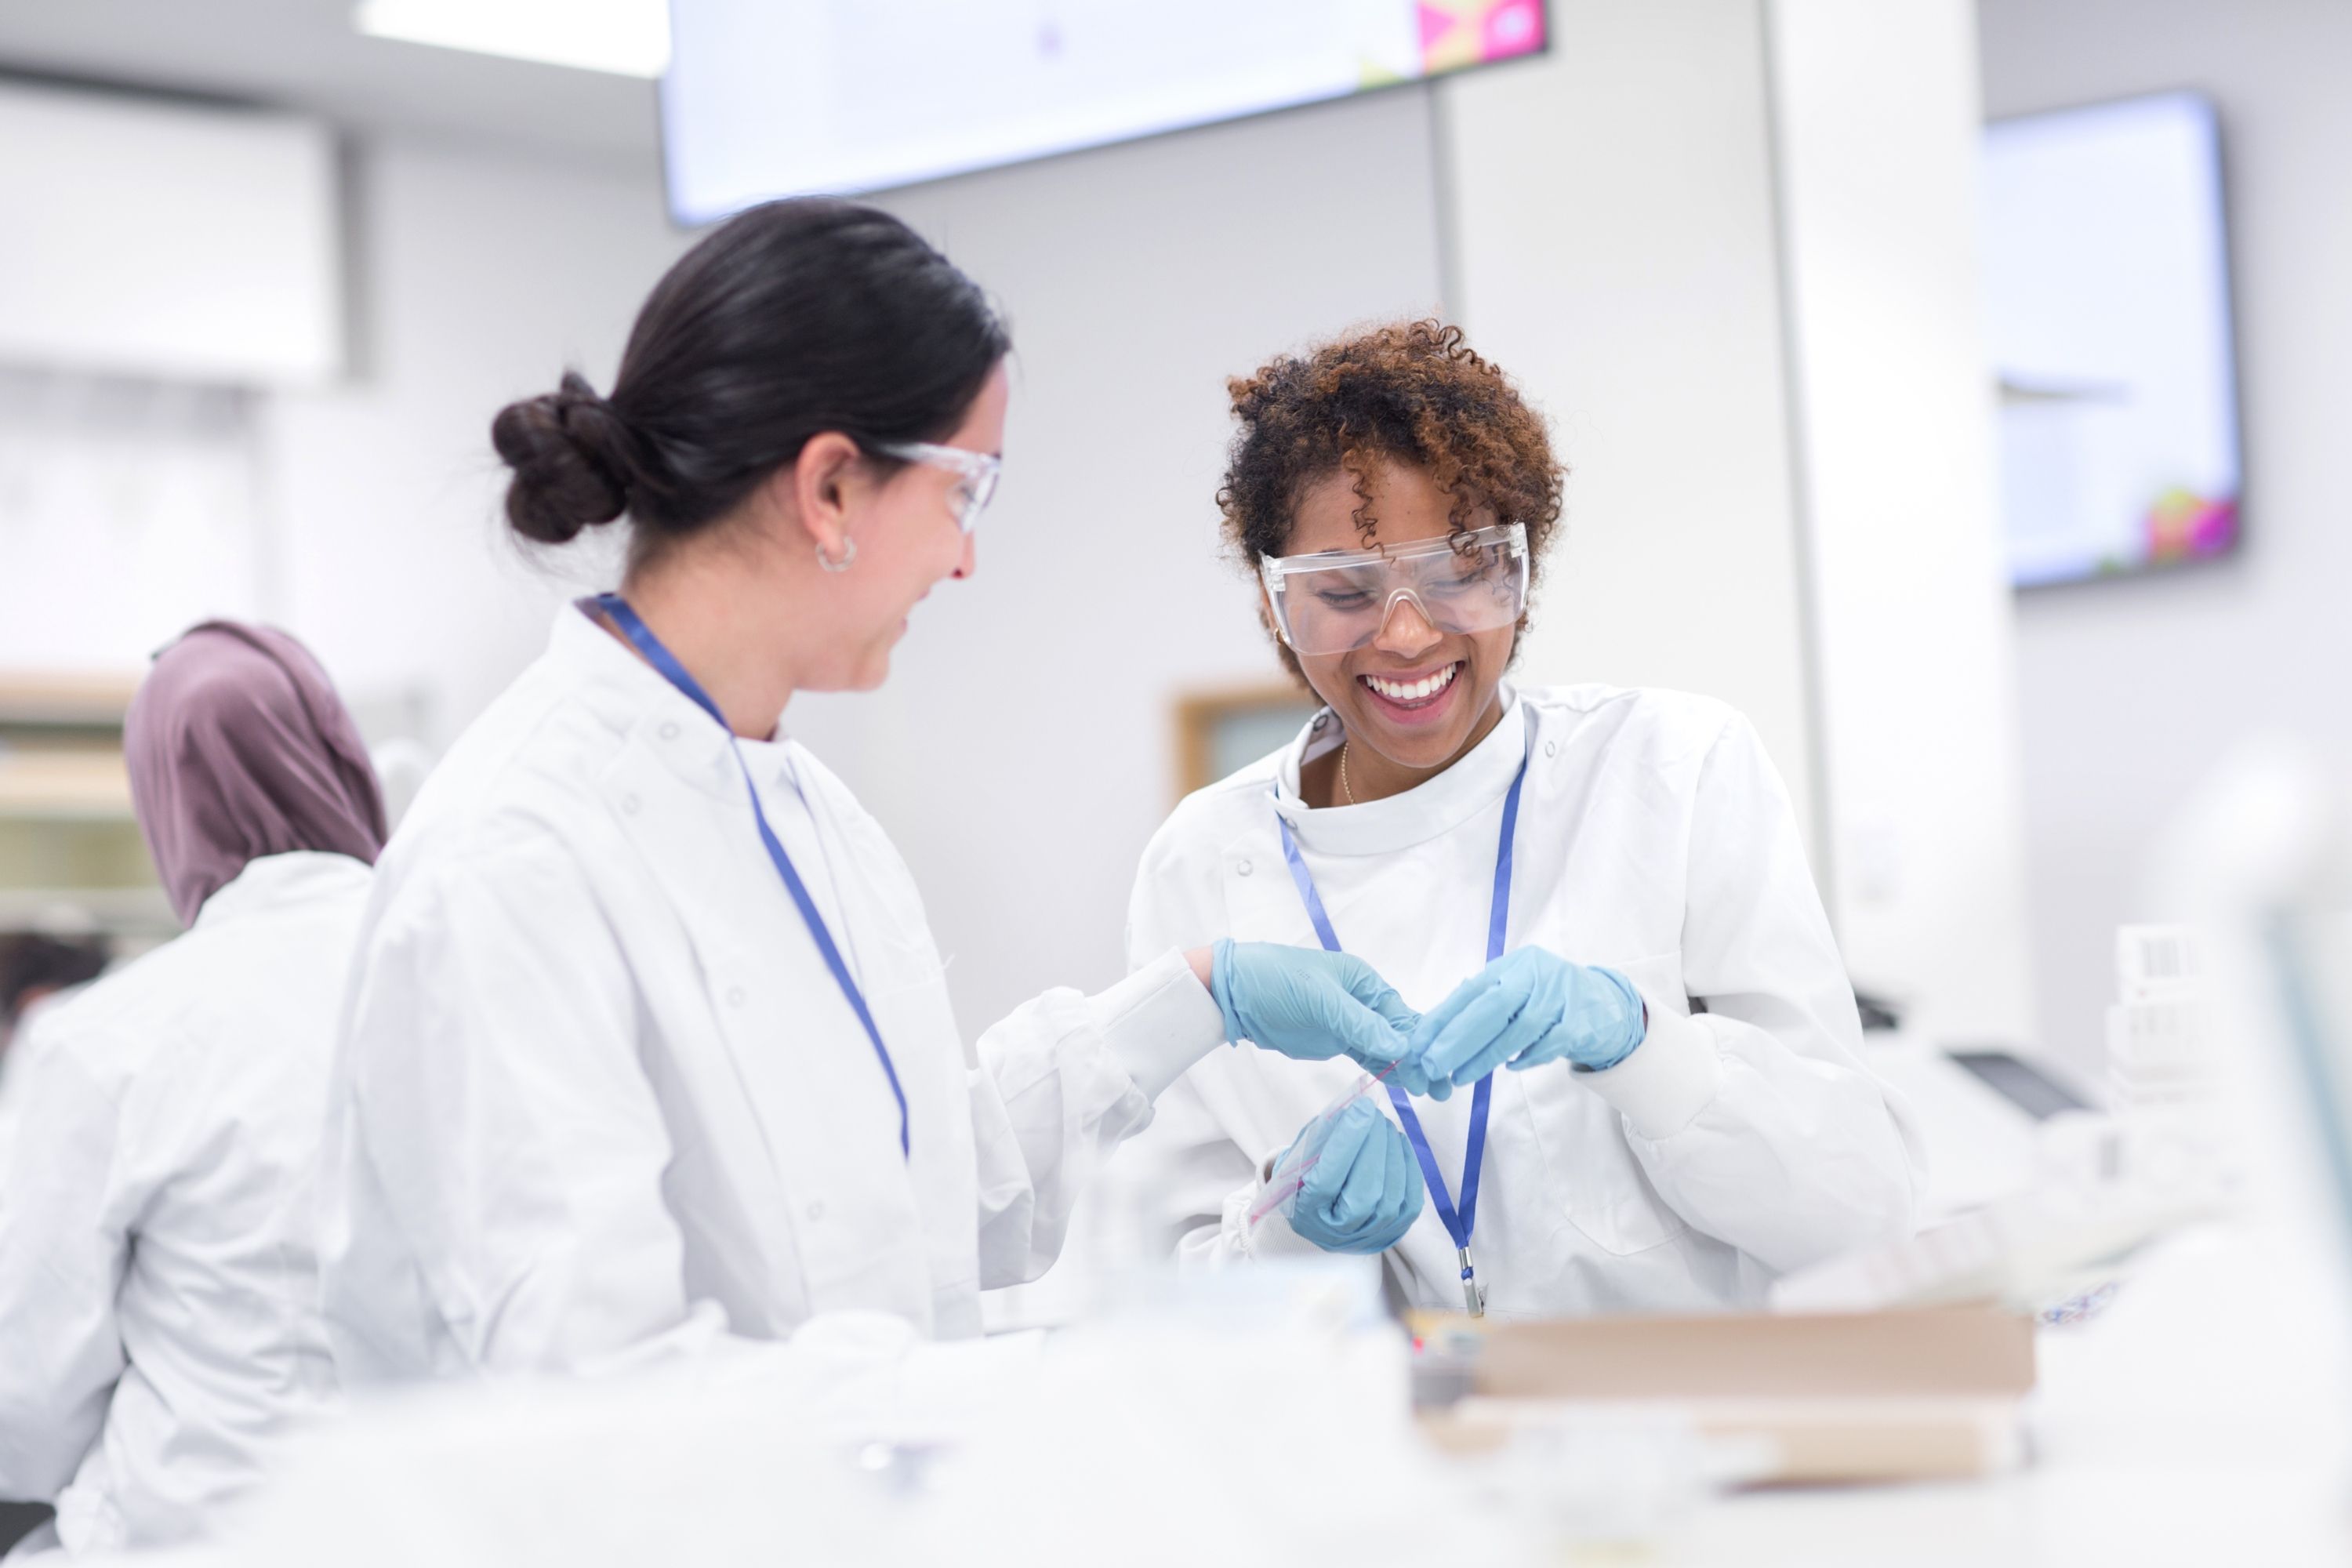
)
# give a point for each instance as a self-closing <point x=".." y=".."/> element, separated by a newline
<point x="2204" y="1417"/>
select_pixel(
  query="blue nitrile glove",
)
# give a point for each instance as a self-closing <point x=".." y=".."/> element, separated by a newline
<point x="1306" y="1003"/>
<point x="1364" y="1191"/>
<point x="1524" y="1009"/>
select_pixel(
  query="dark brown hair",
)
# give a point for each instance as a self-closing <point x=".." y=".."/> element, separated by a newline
<point x="791" y="319"/>
<point x="1412" y="393"/>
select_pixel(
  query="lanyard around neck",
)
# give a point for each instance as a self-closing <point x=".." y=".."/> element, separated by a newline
<point x="642" y="639"/>
<point x="1459" y="1223"/>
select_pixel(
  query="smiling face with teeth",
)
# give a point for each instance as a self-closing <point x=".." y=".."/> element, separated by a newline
<point x="1414" y="698"/>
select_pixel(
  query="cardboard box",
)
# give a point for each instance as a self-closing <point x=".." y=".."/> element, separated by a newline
<point x="1962" y="1352"/>
<point x="1860" y="1396"/>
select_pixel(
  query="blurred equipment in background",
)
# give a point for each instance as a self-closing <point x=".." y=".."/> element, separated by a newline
<point x="2059" y="1196"/>
<point x="2020" y="1082"/>
<point x="72" y="863"/>
<point x="2159" y="1028"/>
<point x="33" y="966"/>
<point x="2263" y="848"/>
<point x="1878" y="1013"/>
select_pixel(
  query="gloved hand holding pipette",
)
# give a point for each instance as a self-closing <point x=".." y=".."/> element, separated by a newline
<point x="1351" y="1181"/>
<point x="1312" y="1005"/>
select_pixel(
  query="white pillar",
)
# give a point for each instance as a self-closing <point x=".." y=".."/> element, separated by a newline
<point x="1729" y="247"/>
<point x="1610" y="208"/>
<point x="1877" y="125"/>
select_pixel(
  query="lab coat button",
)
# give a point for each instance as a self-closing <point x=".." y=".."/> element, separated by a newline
<point x="735" y="996"/>
<point x="669" y="732"/>
<point x="629" y="804"/>
<point x="815" y="1212"/>
<point x="1551" y="748"/>
<point x="1241" y="868"/>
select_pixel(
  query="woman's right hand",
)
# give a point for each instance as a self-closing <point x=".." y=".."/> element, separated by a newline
<point x="1312" y="1004"/>
<point x="1364" y="1190"/>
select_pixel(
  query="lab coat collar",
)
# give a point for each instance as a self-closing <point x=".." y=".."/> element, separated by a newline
<point x="631" y="696"/>
<point x="278" y="882"/>
<point x="1424" y="812"/>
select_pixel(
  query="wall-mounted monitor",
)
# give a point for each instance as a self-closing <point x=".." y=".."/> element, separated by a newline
<point x="780" y="97"/>
<point x="2107" y="296"/>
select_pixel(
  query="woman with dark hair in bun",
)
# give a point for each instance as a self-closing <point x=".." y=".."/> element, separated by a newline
<point x="648" y="1048"/>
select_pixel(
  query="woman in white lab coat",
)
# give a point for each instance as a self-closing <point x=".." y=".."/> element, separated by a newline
<point x="159" y="1326"/>
<point x="648" y="1049"/>
<point x="1556" y="873"/>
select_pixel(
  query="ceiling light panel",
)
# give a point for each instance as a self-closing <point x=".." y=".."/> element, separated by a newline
<point x="626" y="37"/>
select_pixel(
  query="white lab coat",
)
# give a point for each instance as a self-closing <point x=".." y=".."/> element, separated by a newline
<point x="599" y="1099"/>
<point x="17" y="1063"/>
<point x="1654" y="838"/>
<point x="159" y="1328"/>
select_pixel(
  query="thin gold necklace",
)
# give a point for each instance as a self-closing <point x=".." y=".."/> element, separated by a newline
<point x="1343" y="773"/>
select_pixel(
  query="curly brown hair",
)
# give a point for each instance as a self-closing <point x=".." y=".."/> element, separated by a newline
<point x="1412" y="393"/>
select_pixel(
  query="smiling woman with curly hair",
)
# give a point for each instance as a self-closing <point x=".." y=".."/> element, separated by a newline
<point x="1602" y="890"/>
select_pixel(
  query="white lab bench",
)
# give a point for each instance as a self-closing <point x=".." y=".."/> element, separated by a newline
<point x="2205" y="1418"/>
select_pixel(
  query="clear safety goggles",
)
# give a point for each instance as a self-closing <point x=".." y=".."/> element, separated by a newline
<point x="978" y="470"/>
<point x="1339" y="599"/>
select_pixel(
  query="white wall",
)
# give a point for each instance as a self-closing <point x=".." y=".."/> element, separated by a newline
<point x="2130" y="689"/>
<point x="1613" y="248"/>
<point x="479" y="276"/>
<point x="1878" y="137"/>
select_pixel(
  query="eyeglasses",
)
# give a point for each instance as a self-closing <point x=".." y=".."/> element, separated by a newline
<point x="980" y="471"/>
<point x="1338" y="600"/>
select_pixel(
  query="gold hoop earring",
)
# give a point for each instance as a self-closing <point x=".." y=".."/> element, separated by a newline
<point x="848" y="554"/>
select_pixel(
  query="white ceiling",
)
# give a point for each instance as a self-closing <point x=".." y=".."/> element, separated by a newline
<point x="304" y="55"/>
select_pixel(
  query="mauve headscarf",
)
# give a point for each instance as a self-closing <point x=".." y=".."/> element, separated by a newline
<point x="239" y="748"/>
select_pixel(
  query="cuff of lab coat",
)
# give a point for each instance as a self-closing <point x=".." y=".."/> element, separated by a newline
<point x="1271" y="1236"/>
<point x="1158" y="1021"/>
<point x="1667" y="1080"/>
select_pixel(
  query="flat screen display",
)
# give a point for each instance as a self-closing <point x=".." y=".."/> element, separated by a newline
<point x="2107" y="302"/>
<point x="780" y="97"/>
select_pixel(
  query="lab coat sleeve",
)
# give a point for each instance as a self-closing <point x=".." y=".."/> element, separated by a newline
<point x="500" y="1102"/>
<point x="64" y="1245"/>
<point x="1757" y="1121"/>
<point x="1207" y="1185"/>
<point x="1200" y="1180"/>
<point x="1059" y="1084"/>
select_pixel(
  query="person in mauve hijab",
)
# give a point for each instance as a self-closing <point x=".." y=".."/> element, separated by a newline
<point x="158" y="1279"/>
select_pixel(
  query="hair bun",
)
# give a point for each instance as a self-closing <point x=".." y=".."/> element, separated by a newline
<point x="573" y="460"/>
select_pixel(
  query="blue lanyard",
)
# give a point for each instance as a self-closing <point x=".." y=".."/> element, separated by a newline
<point x="662" y="659"/>
<point x="1459" y="1223"/>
